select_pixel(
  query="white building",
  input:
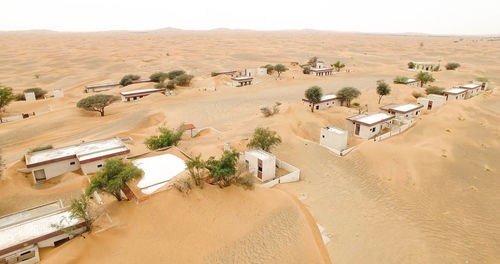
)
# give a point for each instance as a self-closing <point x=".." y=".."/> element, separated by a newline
<point x="58" y="93"/>
<point x="368" y="125"/>
<point x="332" y="137"/>
<point x="88" y="156"/>
<point x="425" y="66"/>
<point x="455" y="94"/>
<point x="403" y="110"/>
<point x="327" y="101"/>
<point x="261" y="164"/>
<point x="100" y="87"/>
<point x="255" y="72"/>
<point x="29" y="97"/>
<point x="22" y="233"/>
<point x="228" y="73"/>
<point x="137" y="94"/>
<point x="472" y="89"/>
<point x="431" y="101"/>
<point x="412" y="82"/>
<point x="242" y="81"/>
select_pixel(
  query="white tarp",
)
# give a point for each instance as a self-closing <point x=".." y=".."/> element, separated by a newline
<point x="158" y="171"/>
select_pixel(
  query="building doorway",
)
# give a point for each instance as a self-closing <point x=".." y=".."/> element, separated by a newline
<point x="429" y="106"/>
<point x="39" y="175"/>
<point x="358" y="127"/>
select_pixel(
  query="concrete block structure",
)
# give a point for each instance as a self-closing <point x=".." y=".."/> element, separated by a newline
<point x="455" y="94"/>
<point x="432" y="101"/>
<point x="22" y="233"/>
<point x="30" y="97"/>
<point x="425" y="66"/>
<point x="368" y="125"/>
<point x="261" y="164"/>
<point x="58" y="93"/>
<point x="327" y="101"/>
<point x="413" y="82"/>
<point x="403" y="110"/>
<point x="228" y="73"/>
<point x="100" y="87"/>
<point x="87" y="156"/>
<point x="242" y="81"/>
<point x="137" y="94"/>
<point x="254" y="72"/>
<point x="473" y="89"/>
<point x="333" y="137"/>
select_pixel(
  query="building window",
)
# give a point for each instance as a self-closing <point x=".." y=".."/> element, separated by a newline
<point x="260" y="169"/>
<point x="100" y="165"/>
<point x="323" y="136"/>
<point x="72" y="163"/>
<point x="373" y="129"/>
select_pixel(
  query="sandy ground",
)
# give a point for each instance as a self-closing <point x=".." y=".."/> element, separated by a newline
<point x="425" y="196"/>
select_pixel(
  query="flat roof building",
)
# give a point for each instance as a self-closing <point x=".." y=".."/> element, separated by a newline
<point x="403" y="110"/>
<point x="261" y="164"/>
<point x="100" y="87"/>
<point x="327" y="101"/>
<point x="473" y="89"/>
<point x="432" y="101"/>
<point x="412" y="82"/>
<point x="425" y="66"/>
<point x="333" y="137"/>
<point x="368" y="125"/>
<point x="242" y="81"/>
<point x="137" y="94"/>
<point x="88" y="156"/>
<point x="22" y="233"/>
<point x="455" y="94"/>
<point x="229" y="73"/>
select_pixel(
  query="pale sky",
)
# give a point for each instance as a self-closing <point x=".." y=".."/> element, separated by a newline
<point x="462" y="17"/>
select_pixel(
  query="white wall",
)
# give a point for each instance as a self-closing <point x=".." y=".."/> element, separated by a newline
<point x="29" y="97"/>
<point x="455" y="97"/>
<point x="324" y="105"/>
<point x="57" y="168"/>
<point x="58" y="93"/>
<point x="332" y="139"/>
<point x="268" y="166"/>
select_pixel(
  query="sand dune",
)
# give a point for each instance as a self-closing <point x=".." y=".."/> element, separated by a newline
<point x="425" y="196"/>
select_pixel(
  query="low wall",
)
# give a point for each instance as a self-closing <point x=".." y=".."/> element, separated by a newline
<point x="399" y="130"/>
<point x="293" y="176"/>
<point x="11" y="118"/>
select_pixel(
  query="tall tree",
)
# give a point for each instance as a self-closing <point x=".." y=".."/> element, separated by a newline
<point x="81" y="209"/>
<point x="96" y="102"/>
<point x="314" y="94"/>
<point x="312" y="61"/>
<point x="346" y="94"/>
<point x="424" y="78"/>
<point x="113" y="176"/>
<point x="338" y="66"/>
<point x="382" y="89"/>
<point x="279" y="68"/>
<point x="264" y="138"/>
<point x="6" y="96"/>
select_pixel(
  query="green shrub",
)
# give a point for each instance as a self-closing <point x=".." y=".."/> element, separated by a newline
<point x="170" y="85"/>
<point x="482" y="79"/>
<point x="417" y="95"/>
<point x="269" y="67"/>
<point x="175" y="73"/>
<point x="434" y="90"/>
<point x="183" y="79"/>
<point x="160" y="85"/>
<point x="129" y="79"/>
<point x="400" y="79"/>
<point x="19" y="97"/>
<point x="39" y="93"/>
<point x="306" y="70"/>
<point x="158" y="77"/>
<point x="96" y="102"/>
<point x="213" y="74"/>
<point x="166" y="138"/>
<point x="264" y="138"/>
<point x="452" y="66"/>
<point x="411" y="65"/>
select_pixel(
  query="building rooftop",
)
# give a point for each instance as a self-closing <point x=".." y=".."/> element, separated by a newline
<point x="328" y="97"/>
<point x="158" y="170"/>
<point x="470" y="86"/>
<point x="260" y="154"/>
<point x="335" y="130"/>
<point x="372" y="118"/>
<point x="102" y="85"/>
<point x="455" y="91"/>
<point x="411" y="80"/>
<point x="149" y="90"/>
<point x="27" y="229"/>
<point x="321" y="69"/>
<point x="83" y="151"/>
<point x="404" y="108"/>
<point x="244" y="78"/>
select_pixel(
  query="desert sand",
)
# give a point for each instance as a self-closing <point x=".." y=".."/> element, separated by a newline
<point x="428" y="195"/>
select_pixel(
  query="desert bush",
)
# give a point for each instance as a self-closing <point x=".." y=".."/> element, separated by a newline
<point x="306" y="70"/>
<point x="175" y="73"/>
<point x="266" y="111"/>
<point x="312" y="61"/>
<point x="160" y="85"/>
<point x="400" y="79"/>
<point x="213" y="74"/>
<point x="417" y="95"/>
<point x="424" y="77"/>
<point x="183" y="185"/>
<point x="382" y="89"/>
<point x="96" y="102"/>
<point x="411" y="65"/>
<point x="482" y="79"/>
<point x="434" y="90"/>
<point x="222" y="170"/>
<point x="19" y="97"/>
<point x="166" y="138"/>
<point x="338" y="66"/>
<point x="197" y="171"/>
<point x="113" y="176"/>
<point x="279" y="68"/>
<point x="243" y="177"/>
<point x="39" y="92"/>
<point x="452" y="66"/>
<point x="40" y="148"/>
<point x="170" y="85"/>
<point x="269" y="67"/>
<point x="264" y="138"/>
<point x="346" y="94"/>
<point x="183" y="79"/>
<point x="158" y="77"/>
<point x="129" y="79"/>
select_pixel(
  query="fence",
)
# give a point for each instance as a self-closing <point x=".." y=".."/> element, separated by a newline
<point x="293" y="176"/>
<point x="396" y="131"/>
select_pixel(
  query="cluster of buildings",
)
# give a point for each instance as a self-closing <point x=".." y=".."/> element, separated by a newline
<point x="243" y="78"/>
